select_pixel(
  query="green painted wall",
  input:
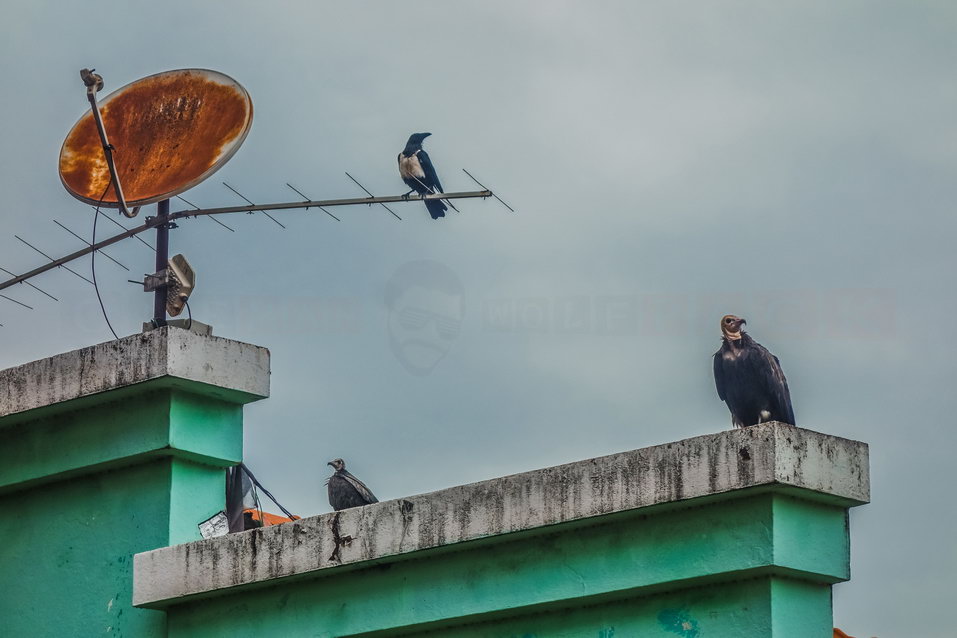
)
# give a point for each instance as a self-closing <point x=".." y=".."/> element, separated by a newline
<point x="740" y="609"/>
<point x="729" y="562"/>
<point x="57" y="443"/>
<point x="67" y="552"/>
<point x="83" y="490"/>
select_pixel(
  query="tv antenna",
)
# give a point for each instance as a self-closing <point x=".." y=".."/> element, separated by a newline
<point x="153" y="140"/>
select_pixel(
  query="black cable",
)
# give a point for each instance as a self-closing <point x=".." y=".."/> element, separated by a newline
<point x="259" y="507"/>
<point x="96" y="216"/>
<point x="189" y="323"/>
<point x="266" y="492"/>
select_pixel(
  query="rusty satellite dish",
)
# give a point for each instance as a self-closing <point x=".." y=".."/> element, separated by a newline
<point x="170" y="131"/>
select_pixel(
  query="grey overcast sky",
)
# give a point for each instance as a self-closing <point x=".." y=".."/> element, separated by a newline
<point x="790" y="162"/>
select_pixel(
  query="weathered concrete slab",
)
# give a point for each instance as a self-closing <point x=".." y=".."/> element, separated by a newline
<point x="168" y="352"/>
<point x="773" y="454"/>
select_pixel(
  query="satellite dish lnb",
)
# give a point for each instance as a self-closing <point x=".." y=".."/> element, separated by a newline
<point x="180" y="281"/>
<point x="167" y="132"/>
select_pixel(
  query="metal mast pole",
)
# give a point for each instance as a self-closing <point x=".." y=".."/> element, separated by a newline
<point x="162" y="259"/>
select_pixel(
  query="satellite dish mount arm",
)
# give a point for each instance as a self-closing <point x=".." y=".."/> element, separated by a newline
<point x="94" y="83"/>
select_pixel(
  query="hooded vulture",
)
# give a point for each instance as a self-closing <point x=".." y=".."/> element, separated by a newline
<point x="345" y="490"/>
<point x="749" y="378"/>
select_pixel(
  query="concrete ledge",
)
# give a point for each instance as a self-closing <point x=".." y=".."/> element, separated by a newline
<point x="773" y="455"/>
<point x="239" y="370"/>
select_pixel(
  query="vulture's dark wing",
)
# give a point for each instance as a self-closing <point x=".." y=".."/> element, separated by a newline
<point x="776" y="385"/>
<point x="343" y="494"/>
<point x="431" y="177"/>
<point x="719" y="380"/>
<point x="364" y="491"/>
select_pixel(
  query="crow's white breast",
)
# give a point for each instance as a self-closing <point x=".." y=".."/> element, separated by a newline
<point x="410" y="168"/>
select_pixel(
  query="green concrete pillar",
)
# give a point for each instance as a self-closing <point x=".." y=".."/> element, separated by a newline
<point x="109" y="451"/>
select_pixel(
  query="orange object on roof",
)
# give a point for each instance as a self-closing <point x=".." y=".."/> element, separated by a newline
<point x="267" y="518"/>
<point x="840" y="634"/>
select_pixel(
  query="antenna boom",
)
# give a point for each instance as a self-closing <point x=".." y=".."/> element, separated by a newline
<point x="153" y="222"/>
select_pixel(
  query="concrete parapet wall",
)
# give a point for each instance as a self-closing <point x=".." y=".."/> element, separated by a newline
<point x="229" y="368"/>
<point x="759" y="488"/>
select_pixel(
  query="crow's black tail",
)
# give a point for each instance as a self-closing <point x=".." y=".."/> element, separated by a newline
<point x="436" y="208"/>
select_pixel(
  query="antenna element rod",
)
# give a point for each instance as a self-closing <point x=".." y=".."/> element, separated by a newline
<point x="371" y="196"/>
<point x="89" y="244"/>
<point x="53" y="261"/>
<point x="493" y="194"/>
<point x="250" y="202"/>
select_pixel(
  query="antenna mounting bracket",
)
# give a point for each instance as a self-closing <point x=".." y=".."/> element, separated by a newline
<point x="159" y="279"/>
